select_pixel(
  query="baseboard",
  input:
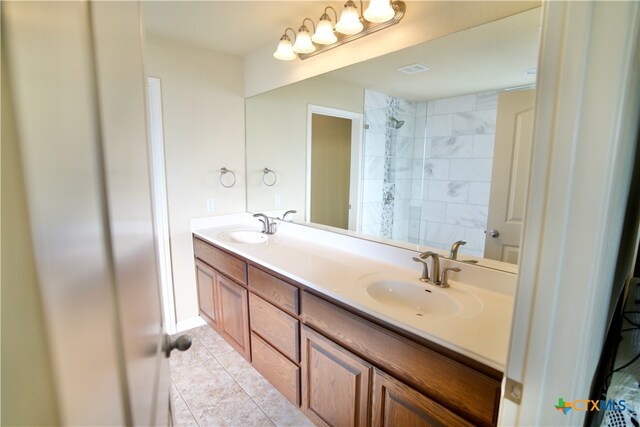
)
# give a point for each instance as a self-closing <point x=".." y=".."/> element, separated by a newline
<point x="194" y="322"/>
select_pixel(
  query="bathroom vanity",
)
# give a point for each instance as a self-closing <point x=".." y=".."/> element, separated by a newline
<point x="334" y="332"/>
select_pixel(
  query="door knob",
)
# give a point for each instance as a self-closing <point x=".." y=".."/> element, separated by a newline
<point x="182" y="343"/>
<point x="493" y="233"/>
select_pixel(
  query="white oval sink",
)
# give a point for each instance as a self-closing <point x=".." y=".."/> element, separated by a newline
<point x="246" y="236"/>
<point x="422" y="300"/>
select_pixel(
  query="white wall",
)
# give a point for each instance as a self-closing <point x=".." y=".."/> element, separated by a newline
<point x="277" y="134"/>
<point x="203" y="115"/>
<point x="423" y="21"/>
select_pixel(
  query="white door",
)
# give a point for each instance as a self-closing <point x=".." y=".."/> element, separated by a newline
<point x="511" y="162"/>
<point x="78" y="86"/>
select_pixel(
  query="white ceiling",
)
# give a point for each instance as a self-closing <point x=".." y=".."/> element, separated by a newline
<point x="487" y="57"/>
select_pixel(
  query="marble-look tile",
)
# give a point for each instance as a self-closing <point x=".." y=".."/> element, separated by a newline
<point x="439" y="126"/>
<point x="373" y="99"/>
<point x="403" y="168"/>
<point x="373" y="167"/>
<point x="417" y="169"/>
<point x="471" y="170"/>
<point x="436" y="169"/>
<point x="479" y="193"/>
<point x="444" y="234"/>
<point x="406" y="107"/>
<point x="374" y="143"/>
<point x="420" y="127"/>
<point x="403" y="190"/>
<point x="415" y="212"/>
<point x="483" y="146"/>
<point x="404" y="147"/>
<point x="376" y="117"/>
<point x="372" y="229"/>
<point x="435" y="245"/>
<point x="451" y="147"/>
<point x="421" y="109"/>
<point x="372" y="190"/>
<point x="413" y="239"/>
<point x="401" y="230"/>
<point x="419" y="148"/>
<point x="457" y="104"/>
<point x="182" y="416"/>
<point x="371" y="213"/>
<point x="475" y="238"/>
<point x="400" y="210"/>
<point x="414" y="230"/>
<point x="468" y="215"/>
<point x="408" y="128"/>
<point x="448" y="191"/>
<point x="430" y="108"/>
<point x="433" y="211"/>
<point x="473" y="123"/>
<point x="487" y="101"/>
<point x="279" y="409"/>
<point x="417" y="189"/>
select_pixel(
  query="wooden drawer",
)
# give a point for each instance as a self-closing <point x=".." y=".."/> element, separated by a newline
<point x="275" y="326"/>
<point x="276" y="291"/>
<point x="221" y="261"/>
<point x="450" y="383"/>
<point x="277" y="369"/>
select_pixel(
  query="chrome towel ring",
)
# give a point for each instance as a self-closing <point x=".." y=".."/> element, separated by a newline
<point x="269" y="182"/>
<point x="223" y="172"/>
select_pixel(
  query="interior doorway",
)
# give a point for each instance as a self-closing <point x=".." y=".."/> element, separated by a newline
<point x="334" y="150"/>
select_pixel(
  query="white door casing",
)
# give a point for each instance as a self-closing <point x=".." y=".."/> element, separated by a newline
<point x="510" y="176"/>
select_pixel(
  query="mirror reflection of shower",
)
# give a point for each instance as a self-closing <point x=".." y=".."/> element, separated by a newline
<point x="411" y="191"/>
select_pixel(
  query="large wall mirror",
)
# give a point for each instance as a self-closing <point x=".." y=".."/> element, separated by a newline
<point x="420" y="147"/>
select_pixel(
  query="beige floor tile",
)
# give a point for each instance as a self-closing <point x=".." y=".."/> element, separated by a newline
<point x="182" y="416"/>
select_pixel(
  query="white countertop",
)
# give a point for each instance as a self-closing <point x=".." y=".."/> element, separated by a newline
<point x="338" y="266"/>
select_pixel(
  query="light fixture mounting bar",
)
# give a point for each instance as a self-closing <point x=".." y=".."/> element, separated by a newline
<point x="369" y="28"/>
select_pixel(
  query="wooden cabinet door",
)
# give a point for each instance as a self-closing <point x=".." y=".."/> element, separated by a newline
<point x="335" y="383"/>
<point x="208" y="293"/>
<point x="396" y="404"/>
<point x="234" y="315"/>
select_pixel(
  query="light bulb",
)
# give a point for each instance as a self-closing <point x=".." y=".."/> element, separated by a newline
<point x="349" y="22"/>
<point x="324" y="31"/>
<point x="379" y="11"/>
<point x="284" y="51"/>
<point x="303" y="41"/>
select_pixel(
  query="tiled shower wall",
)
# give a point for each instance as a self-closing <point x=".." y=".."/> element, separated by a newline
<point x="389" y="160"/>
<point x="428" y="179"/>
<point x="459" y="138"/>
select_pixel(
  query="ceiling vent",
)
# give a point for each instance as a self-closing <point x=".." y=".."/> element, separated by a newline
<point x="413" y="69"/>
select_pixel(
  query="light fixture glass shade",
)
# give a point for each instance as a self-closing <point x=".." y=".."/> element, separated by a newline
<point x="284" y="51"/>
<point x="349" y="22"/>
<point x="324" y="32"/>
<point x="379" y="11"/>
<point x="303" y="41"/>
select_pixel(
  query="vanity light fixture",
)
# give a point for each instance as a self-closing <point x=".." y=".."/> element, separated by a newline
<point x="351" y="26"/>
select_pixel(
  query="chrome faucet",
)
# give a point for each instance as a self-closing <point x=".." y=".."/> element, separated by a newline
<point x="268" y="226"/>
<point x="289" y="212"/>
<point x="437" y="279"/>
<point x="453" y="254"/>
<point x="435" y="266"/>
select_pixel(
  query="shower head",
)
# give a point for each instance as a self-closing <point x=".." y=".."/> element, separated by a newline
<point x="395" y="123"/>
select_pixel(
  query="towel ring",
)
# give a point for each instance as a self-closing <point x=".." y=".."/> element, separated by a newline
<point x="265" y="172"/>
<point x="223" y="172"/>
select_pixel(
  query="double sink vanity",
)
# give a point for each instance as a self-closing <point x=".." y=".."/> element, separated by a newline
<point x="346" y="330"/>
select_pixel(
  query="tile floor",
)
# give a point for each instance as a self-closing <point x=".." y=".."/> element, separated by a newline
<point x="212" y="385"/>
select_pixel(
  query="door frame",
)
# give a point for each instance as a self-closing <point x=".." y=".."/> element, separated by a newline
<point x="581" y="169"/>
<point x="160" y="203"/>
<point x="355" y="178"/>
